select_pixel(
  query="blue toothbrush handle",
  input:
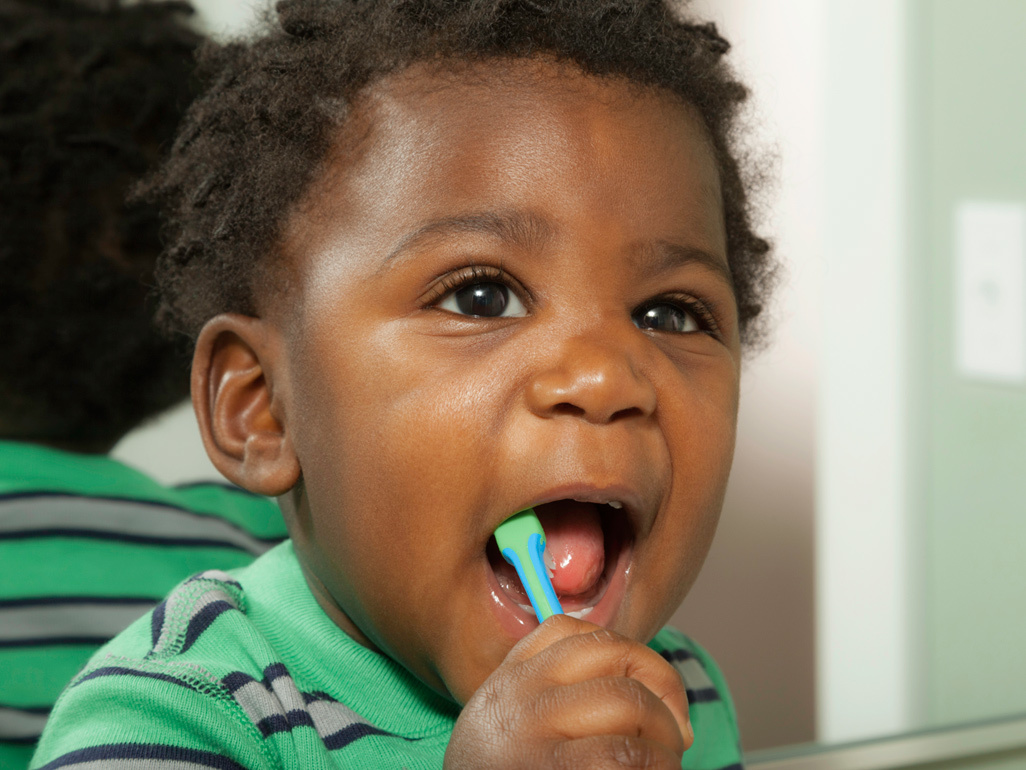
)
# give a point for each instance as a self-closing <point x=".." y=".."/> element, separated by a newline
<point x="522" y="543"/>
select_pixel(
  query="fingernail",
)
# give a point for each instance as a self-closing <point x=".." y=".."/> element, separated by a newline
<point x="691" y="730"/>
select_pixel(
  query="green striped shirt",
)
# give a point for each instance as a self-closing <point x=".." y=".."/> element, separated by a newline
<point x="244" y="670"/>
<point x="87" y="546"/>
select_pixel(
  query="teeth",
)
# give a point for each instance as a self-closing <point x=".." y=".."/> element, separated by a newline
<point x="550" y="562"/>
<point x="615" y="504"/>
<point x="580" y="614"/>
<point x="526" y="608"/>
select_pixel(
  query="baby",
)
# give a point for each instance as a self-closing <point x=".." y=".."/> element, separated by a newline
<point x="445" y="260"/>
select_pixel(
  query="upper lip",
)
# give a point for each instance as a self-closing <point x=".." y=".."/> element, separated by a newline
<point x="638" y="509"/>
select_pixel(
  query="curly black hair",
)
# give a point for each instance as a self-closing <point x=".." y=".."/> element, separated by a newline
<point x="250" y="147"/>
<point x="90" y="98"/>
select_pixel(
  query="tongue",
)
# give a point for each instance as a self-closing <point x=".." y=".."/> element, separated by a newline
<point x="573" y="537"/>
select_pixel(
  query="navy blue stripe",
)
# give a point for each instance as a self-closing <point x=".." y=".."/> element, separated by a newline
<point x="276" y="723"/>
<point x="300" y="718"/>
<point x="136" y="501"/>
<point x="352" y="733"/>
<point x="236" y="680"/>
<point x="122" y="537"/>
<point x="735" y="766"/>
<point x="317" y="696"/>
<point x="28" y="709"/>
<point x="677" y="656"/>
<point x="279" y="723"/>
<point x="122" y="671"/>
<point x="157" y="623"/>
<point x="239" y="679"/>
<point x="55" y="641"/>
<point x="160" y="751"/>
<point x="707" y="695"/>
<point x="51" y="601"/>
<point x="218" y="485"/>
<point x="26" y="740"/>
<point x="201" y="621"/>
<point x="274" y="671"/>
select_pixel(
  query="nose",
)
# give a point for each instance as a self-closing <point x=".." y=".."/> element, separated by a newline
<point x="594" y="380"/>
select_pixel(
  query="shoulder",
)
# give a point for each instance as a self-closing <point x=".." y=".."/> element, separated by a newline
<point x="717" y="740"/>
<point x="162" y="689"/>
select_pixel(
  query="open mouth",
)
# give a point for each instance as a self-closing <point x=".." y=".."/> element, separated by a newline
<point x="584" y="545"/>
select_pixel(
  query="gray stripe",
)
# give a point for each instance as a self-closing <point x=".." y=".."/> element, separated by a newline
<point x="98" y="620"/>
<point x="217" y="575"/>
<point x="257" y="702"/>
<point x="693" y="674"/>
<point x="174" y="627"/>
<point x="329" y="717"/>
<point x="288" y="694"/>
<point x="128" y="517"/>
<point x="15" y="724"/>
<point x="207" y="598"/>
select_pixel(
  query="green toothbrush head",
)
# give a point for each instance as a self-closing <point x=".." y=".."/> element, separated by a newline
<point x="521" y="542"/>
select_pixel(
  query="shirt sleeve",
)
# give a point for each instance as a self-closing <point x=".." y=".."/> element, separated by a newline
<point x="717" y="743"/>
<point x="171" y="717"/>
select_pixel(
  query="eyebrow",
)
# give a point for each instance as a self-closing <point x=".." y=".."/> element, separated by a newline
<point x="667" y="255"/>
<point x="521" y="229"/>
<point x="529" y="231"/>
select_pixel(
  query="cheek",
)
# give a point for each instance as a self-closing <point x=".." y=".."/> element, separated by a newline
<point x="388" y="425"/>
<point x="699" y="427"/>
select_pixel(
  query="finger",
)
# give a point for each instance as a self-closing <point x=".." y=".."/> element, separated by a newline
<point x="548" y="633"/>
<point x="609" y="706"/>
<point x="612" y="752"/>
<point x="599" y="653"/>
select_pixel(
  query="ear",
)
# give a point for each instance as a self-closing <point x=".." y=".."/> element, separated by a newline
<point x="240" y="405"/>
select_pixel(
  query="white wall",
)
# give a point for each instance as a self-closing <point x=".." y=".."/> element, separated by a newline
<point x="228" y="17"/>
<point x="168" y="448"/>
<point x="864" y="568"/>
<point x="753" y="604"/>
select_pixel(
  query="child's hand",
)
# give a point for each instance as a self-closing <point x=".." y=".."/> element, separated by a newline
<point x="571" y="695"/>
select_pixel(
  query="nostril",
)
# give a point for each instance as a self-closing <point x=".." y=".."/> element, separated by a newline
<point x="568" y="409"/>
<point x="627" y="413"/>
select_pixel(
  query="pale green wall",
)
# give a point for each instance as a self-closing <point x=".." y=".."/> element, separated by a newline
<point x="968" y="140"/>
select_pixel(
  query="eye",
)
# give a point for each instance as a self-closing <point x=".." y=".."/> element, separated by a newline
<point x="484" y="299"/>
<point x="666" y="317"/>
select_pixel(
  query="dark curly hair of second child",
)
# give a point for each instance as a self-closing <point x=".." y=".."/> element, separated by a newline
<point x="90" y="97"/>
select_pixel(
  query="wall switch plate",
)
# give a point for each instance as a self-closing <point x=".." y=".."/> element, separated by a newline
<point x="990" y="291"/>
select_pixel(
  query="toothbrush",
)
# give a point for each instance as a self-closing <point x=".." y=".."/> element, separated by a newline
<point x="521" y="542"/>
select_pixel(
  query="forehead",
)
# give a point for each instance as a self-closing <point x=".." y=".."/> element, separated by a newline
<point x="535" y="137"/>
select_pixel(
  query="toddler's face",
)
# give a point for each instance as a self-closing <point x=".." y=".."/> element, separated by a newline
<point x="511" y="290"/>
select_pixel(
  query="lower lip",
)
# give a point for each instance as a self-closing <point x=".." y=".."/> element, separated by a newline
<point x="518" y="622"/>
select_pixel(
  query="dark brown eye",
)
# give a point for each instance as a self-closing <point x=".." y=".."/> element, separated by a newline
<point x="486" y="299"/>
<point x="665" y="317"/>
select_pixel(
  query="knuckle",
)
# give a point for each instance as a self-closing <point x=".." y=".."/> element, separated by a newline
<point x="632" y="752"/>
<point x="634" y="695"/>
